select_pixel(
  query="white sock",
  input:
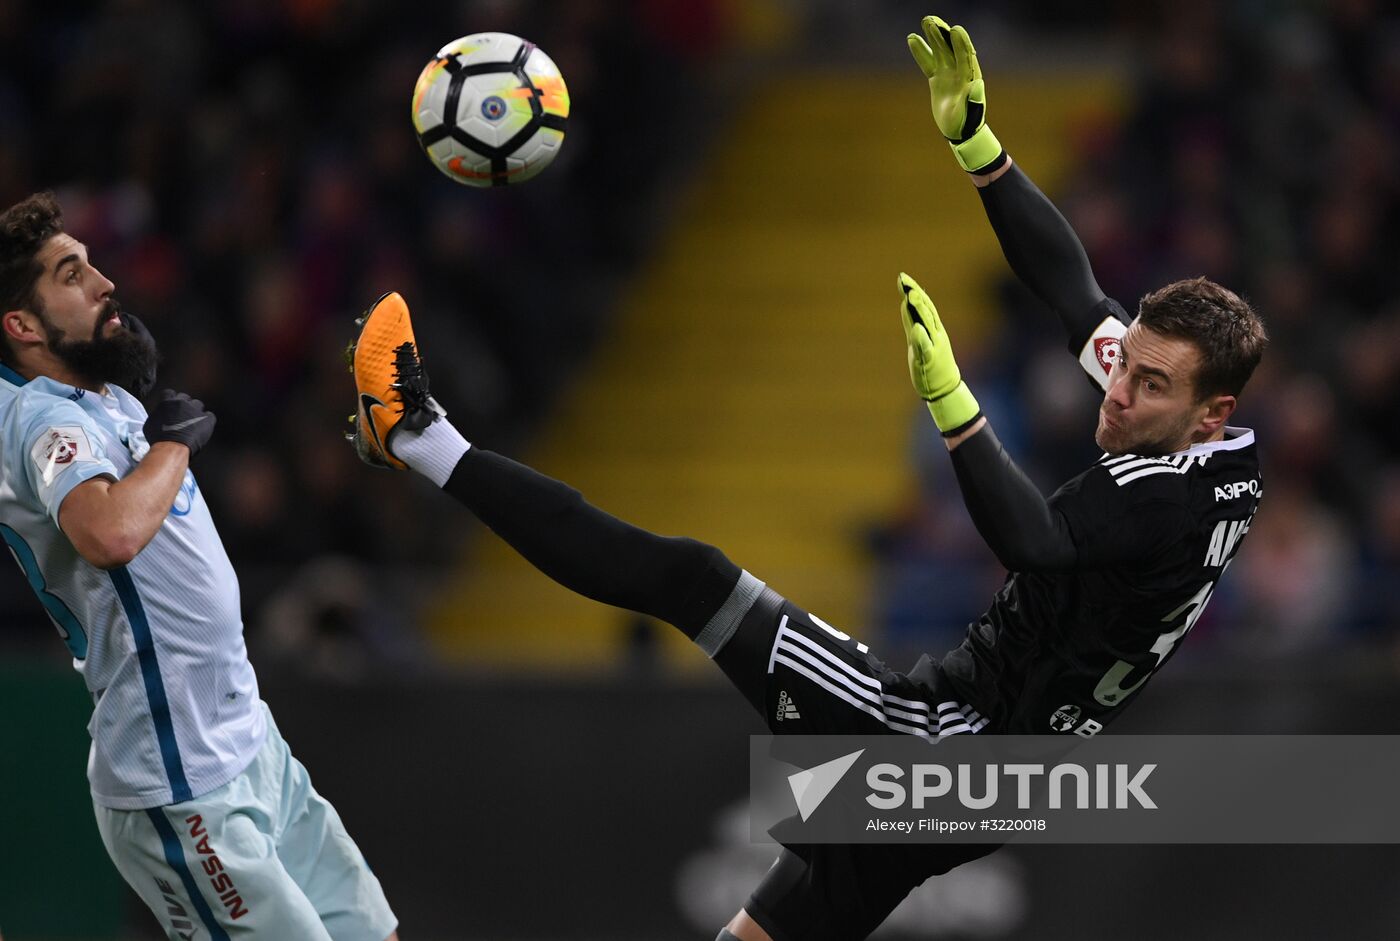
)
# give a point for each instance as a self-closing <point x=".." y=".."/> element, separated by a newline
<point x="432" y="452"/>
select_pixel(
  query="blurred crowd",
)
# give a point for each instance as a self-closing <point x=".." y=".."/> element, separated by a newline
<point x="247" y="174"/>
<point x="1259" y="149"/>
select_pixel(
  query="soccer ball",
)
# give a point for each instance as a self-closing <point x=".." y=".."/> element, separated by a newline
<point x="490" y="109"/>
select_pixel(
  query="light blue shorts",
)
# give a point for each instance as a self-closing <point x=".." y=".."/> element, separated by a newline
<point x="263" y="856"/>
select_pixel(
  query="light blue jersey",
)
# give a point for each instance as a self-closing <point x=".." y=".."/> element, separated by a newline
<point x="159" y="641"/>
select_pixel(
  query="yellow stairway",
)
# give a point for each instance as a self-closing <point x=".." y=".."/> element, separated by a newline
<point x="754" y="393"/>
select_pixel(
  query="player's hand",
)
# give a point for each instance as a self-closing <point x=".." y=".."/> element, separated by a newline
<point x="179" y="418"/>
<point x="946" y="57"/>
<point x="932" y="367"/>
<point x="139" y="386"/>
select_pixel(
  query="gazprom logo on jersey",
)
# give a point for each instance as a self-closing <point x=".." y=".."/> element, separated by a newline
<point x="184" y="500"/>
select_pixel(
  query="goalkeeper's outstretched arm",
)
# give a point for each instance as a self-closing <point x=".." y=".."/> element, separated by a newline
<point x="1026" y="532"/>
<point x="1038" y="243"/>
<point x="1045" y="253"/>
<point x="1011" y="515"/>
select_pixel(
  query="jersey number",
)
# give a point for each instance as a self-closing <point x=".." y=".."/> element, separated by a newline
<point x="68" y="627"/>
<point x="839" y="635"/>
<point x="1110" y="691"/>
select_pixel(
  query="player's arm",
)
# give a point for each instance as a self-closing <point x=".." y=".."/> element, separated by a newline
<point x="108" y="522"/>
<point x="1045" y="254"/>
<point x="1014" y="519"/>
<point x="1012" y="516"/>
<point x="1101" y="525"/>
<point x="1039" y="244"/>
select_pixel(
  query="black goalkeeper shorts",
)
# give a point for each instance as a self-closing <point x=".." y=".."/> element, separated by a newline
<point x="806" y="677"/>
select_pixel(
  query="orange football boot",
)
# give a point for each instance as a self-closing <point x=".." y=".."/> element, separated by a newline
<point x="389" y="379"/>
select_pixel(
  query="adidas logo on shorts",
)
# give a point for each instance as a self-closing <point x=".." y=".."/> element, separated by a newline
<point x="786" y="709"/>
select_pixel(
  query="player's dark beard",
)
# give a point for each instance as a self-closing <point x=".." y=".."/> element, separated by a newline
<point x="122" y="358"/>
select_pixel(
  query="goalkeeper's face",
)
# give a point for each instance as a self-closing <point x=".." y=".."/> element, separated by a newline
<point x="1151" y="406"/>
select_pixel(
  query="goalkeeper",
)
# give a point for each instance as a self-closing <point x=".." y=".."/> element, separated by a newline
<point x="1106" y="576"/>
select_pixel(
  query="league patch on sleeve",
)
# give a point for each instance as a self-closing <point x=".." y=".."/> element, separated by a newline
<point x="1101" y="352"/>
<point x="58" y="448"/>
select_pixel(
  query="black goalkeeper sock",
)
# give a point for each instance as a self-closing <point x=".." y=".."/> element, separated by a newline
<point x="681" y="581"/>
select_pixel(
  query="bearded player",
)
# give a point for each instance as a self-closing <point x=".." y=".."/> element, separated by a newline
<point x="1106" y="576"/>
<point x="200" y="804"/>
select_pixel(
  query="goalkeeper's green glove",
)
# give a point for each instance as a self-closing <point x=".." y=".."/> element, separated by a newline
<point x="948" y="61"/>
<point x="931" y="364"/>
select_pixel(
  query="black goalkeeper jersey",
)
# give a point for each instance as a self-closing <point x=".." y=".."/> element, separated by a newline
<point x="1063" y="647"/>
<point x="1063" y="651"/>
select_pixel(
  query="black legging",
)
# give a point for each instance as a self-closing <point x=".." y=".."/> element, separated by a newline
<point x="678" y="580"/>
